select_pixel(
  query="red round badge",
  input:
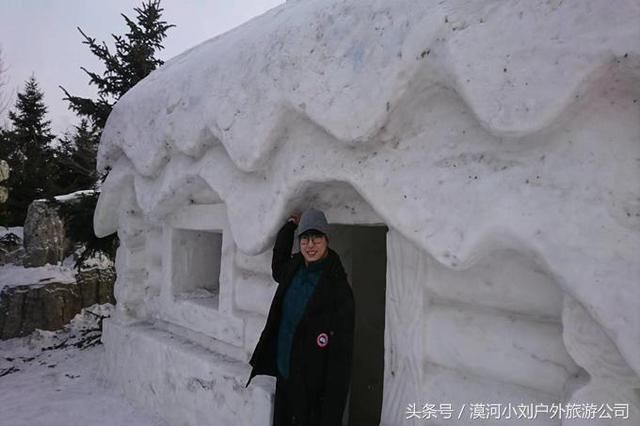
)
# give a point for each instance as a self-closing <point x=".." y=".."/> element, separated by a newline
<point x="322" y="340"/>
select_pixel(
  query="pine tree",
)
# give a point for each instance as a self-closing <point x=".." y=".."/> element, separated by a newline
<point x="27" y="149"/>
<point x="133" y="59"/>
<point x="76" y="159"/>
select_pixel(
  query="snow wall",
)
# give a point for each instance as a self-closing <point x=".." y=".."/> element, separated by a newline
<point x="468" y="128"/>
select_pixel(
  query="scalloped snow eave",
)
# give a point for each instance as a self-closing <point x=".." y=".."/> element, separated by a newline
<point x="331" y="60"/>
<point x="464" y="125"/>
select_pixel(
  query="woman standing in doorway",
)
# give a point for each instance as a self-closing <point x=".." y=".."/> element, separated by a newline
<point x="307" y="342"/>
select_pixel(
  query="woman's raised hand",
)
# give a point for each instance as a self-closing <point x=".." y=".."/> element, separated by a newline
<point x="294" y="217"/>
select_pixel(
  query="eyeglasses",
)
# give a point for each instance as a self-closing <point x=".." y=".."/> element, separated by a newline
<point x="315" y="239"/>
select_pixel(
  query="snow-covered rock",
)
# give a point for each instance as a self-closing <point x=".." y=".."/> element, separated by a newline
<point x="49" y="296"/>
<point x="45" y="239"/>
<point x="45" y="233"/>
<point x="488" y="136"/>
<point x="40" y="285"/>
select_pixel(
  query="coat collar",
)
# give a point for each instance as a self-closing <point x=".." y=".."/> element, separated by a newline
<point x="332" y="264"/>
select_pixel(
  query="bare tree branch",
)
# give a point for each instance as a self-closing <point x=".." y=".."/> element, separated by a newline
<point x="3" y="83"/>
<point x="5" y="99"/>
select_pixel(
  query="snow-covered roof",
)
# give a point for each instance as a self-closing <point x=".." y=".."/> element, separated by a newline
<point x="466" y="126"/>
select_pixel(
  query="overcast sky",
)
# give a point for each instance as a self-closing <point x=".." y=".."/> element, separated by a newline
<point x="40" y="37"/>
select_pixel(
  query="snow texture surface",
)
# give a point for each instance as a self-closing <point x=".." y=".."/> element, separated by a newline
<point x="467" y="126"/>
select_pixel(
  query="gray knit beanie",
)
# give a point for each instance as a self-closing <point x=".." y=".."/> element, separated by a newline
<point x="313" y="219"/>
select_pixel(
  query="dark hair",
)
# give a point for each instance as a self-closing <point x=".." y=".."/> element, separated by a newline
<point x="312" y="233"/>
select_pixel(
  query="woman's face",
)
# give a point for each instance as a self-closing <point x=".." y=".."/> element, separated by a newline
<point x="314" y="247"/>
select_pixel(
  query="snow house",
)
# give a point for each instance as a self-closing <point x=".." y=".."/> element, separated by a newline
<point x="479" y="165"/>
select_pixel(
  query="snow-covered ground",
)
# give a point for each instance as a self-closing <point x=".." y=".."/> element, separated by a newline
<point x="51" y="378"/>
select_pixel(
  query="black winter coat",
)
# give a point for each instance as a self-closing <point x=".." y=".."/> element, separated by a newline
<point x="320" y="369"/>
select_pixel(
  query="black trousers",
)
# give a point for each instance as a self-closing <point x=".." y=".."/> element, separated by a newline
<point x="281" y="410"/>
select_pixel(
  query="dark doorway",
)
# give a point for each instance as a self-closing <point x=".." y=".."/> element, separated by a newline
<point x="363" y="250"/>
